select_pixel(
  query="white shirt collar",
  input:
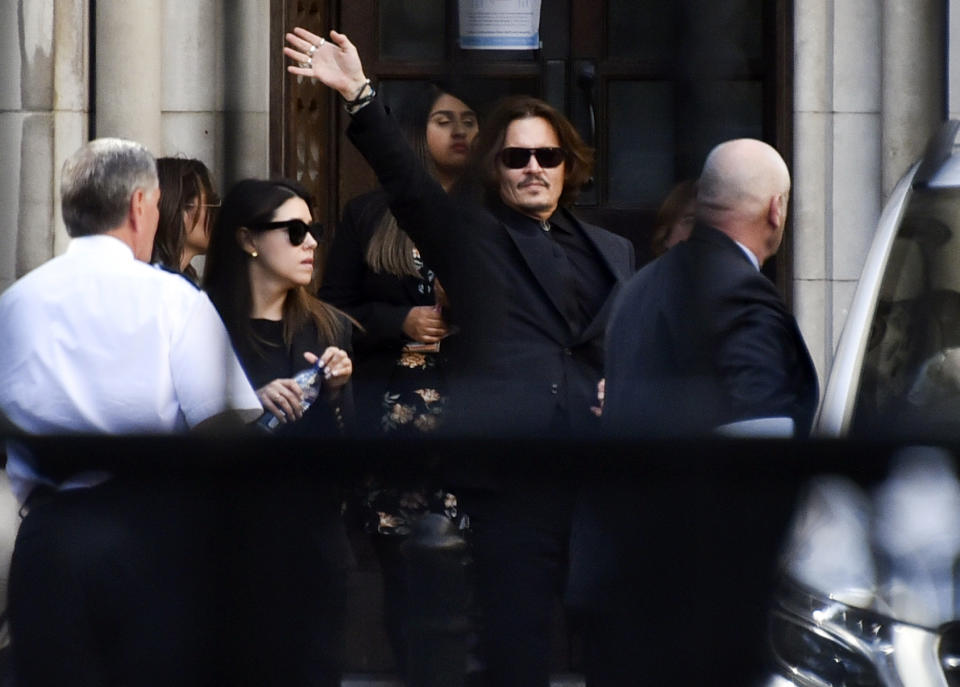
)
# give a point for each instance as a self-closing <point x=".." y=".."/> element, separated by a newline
<point x="100" y="244"/>
<point x="749" y="253"/>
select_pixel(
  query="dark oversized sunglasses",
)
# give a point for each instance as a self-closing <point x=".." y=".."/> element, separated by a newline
<point x="517" y="158"/>
<point x="296" y="229"/>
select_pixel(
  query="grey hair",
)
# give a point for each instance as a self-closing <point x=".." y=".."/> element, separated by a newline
<point x="98" y="181"/>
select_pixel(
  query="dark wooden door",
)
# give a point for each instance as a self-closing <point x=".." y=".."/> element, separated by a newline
<point x="651" y="84"/>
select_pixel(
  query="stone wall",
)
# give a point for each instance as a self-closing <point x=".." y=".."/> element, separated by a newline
<point x="868" y="93"/>
<point x="953" y="59"/>
<point x="43" y="118"/>
<point x="199" y="87"/>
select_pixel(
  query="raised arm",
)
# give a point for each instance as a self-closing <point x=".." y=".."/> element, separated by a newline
<point x="335" y="64"/>
<point x="422" y="207"/>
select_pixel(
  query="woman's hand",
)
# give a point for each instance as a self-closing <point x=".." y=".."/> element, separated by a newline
<point x="440" y="294"/>
<point x="337" y="366"/>
<point x="334" y="63"/>
<point x="601" y="394"/>
<point x="425" y="324"/>
<point x="282" y="397"/>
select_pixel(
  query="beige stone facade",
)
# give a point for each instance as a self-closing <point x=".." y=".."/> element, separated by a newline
<point x="183" y="77"/>
<point x="868" y="93"/>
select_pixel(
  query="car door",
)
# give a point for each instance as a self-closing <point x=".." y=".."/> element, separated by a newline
<point x="897" y="368"/>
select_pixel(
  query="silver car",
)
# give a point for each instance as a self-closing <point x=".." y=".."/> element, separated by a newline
<point x="871" y="590"/>
<point x="896" y="373"/>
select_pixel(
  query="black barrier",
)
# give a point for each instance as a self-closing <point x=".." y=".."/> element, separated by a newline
<point x="701" y="523"/>
<point x="436" y="556"/>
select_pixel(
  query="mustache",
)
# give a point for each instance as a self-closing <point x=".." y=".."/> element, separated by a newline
<point x="533" y="179"/>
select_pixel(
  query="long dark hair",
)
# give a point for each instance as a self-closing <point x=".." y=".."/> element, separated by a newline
<point x="390" y="250"/>
<point x="579" y="156"/>
<point x="226" y="276"/>
<point x="183" y="182"/>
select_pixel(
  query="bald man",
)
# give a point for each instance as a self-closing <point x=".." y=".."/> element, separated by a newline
<point x="699" y="341"/>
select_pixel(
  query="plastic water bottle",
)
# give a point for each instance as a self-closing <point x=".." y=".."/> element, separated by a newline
<point x="309" y="381"/>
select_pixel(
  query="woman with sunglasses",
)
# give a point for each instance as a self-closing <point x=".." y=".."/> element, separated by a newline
<point x="290" y="592"/>
<point x="187" y="209"/>
<point x="259" y="266"/>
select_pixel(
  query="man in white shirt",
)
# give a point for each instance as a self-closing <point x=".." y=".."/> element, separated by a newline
<point x="98" y="341"/>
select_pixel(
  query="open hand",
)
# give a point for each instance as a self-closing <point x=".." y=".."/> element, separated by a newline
<point x="335" y="63"/>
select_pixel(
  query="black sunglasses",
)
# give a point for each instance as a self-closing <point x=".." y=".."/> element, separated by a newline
<point x="296" y="229"/>
<point x="517" y="158"/>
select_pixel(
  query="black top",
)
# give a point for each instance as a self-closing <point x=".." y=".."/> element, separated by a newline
<point x="272" y="359"/>
<point x="275" y="361"/>
<point x="379" y="301"/>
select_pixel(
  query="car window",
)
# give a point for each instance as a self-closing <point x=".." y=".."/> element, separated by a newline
<point x="910" y="380"/>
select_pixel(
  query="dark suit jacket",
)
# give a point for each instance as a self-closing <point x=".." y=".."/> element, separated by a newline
<point x="518" y="363"/>
<point x="700" y="338"/>
<point x="378" y="301"/>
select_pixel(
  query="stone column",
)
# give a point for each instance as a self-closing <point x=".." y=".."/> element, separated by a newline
<point x="191" y="80"/>
<point x="913" y="71"/>
<point x="246" y="98"/>
<point x="869" y="92"/>
<point x="953" y="59"/>
<point x="44" y="76"/>
<point x="129" y="70"/>
<point x="837" y="142"/>
<point x="71" y="87"/>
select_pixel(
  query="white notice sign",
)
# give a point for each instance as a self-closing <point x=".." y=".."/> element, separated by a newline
<point x="500" y="24"/>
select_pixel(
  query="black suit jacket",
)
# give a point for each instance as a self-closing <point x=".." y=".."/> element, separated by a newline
<point x="700" y="338"/>
<point x="517" y="364"/>
<point x="379" y="301"/>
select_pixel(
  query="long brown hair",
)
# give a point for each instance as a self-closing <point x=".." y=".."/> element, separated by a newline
<point x="227" y="277"/>
<point x="390" y="250"/>
<point x="579" y="156"/>
<point x="183" y="182"/>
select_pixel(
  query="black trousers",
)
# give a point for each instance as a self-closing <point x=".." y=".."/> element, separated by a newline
<point x="129" y="583"/>
<point x="520" y="545"/>
<point x="112" y="585"/>
<point x="287" y="585"/>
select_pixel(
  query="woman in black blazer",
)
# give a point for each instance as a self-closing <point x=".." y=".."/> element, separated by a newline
<point x="260" y="263"/>
<point x="286" y="553"/>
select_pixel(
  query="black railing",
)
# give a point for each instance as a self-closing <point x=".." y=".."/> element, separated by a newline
<point x="710" y="516"/>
